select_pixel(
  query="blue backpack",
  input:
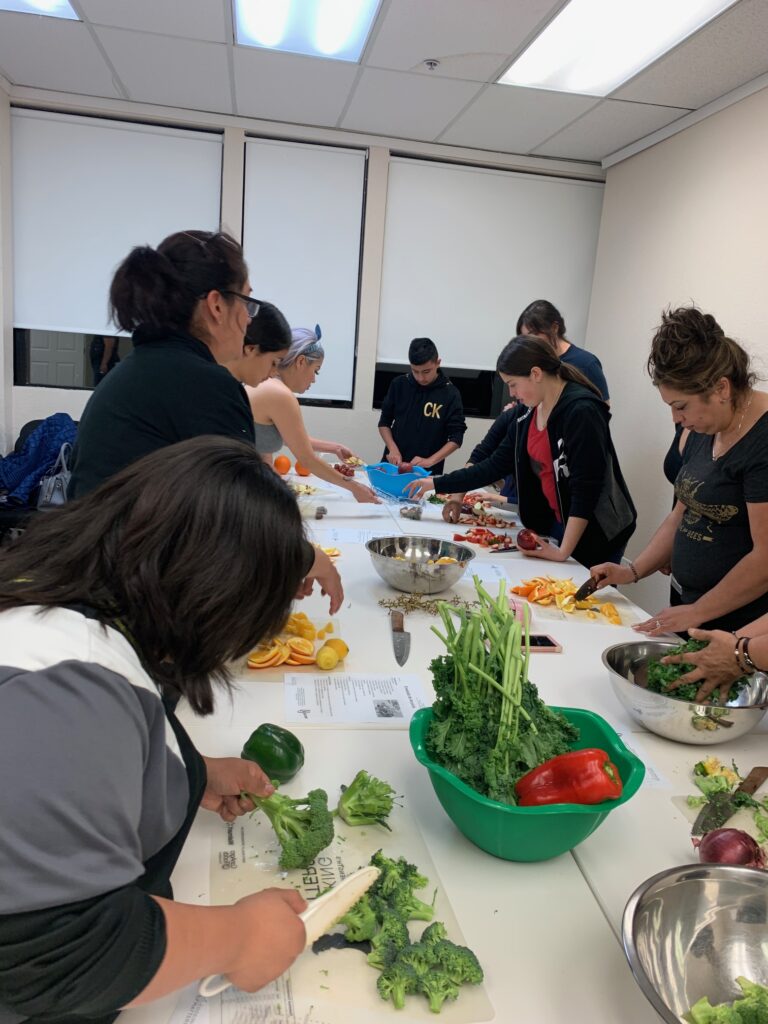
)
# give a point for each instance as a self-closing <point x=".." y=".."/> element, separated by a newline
<point x="21" y="471"/>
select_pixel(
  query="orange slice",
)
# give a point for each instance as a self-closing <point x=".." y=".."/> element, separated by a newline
<point x="300" y="645"/>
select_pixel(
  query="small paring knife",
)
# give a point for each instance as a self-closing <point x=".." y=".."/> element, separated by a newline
<point x="401" y="641"/>
<point x="720" y="806"/>
<point x="319" y="917"/>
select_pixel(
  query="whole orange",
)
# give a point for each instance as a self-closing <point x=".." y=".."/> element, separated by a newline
<point x="282" y="464"/>
<point x="302" y="470"/>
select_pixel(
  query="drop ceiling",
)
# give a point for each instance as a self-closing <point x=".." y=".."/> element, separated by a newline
<point x="181" y="54"/>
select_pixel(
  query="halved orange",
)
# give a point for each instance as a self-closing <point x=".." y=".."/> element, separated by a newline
<point x="300" y="645"/>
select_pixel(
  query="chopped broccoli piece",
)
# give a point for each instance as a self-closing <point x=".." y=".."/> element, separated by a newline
<point x="366" y="801"/>
<point x="751" y="1009"/>
<point x="360" y="921"/>
<point x="390" y="940"/>
<point x="303" y="825"/>
<point x="439" y="966"/>
<point x="396" y="982"/>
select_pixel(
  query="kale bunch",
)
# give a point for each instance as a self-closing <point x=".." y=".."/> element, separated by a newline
<point x="489" y="726"/>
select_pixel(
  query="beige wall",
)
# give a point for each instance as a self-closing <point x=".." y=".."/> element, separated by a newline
<point x="686" y="220"/>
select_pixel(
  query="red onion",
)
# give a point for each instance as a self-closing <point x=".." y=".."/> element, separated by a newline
<point x="730" y="846"/>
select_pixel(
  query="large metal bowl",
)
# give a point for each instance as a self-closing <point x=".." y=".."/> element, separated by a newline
<point x="407" y="563"/>
<point x="676" y="719"/>
<point x="689" y="932"/>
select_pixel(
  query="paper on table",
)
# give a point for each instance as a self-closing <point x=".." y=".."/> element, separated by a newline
<point x="330" y="536"/>
<point x="344" y="699"/>
<point x="489" y="573"/>
<point x="653" y="777"/>
<point x="337" y="986"/>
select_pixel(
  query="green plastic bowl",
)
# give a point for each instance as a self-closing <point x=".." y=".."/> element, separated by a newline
<point x="529" y="833"/>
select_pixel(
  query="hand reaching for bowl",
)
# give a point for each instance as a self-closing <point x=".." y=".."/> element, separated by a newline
<point x="418" y="488"/>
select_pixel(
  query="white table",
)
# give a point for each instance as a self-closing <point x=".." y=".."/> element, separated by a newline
<point x="546" y="933"/>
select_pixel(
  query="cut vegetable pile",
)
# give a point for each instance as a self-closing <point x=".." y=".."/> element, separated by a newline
<point x="487" y="539"/>
<point x="546" y="590"/>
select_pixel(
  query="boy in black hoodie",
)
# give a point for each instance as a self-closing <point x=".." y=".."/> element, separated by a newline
<point x="422" y="418"/>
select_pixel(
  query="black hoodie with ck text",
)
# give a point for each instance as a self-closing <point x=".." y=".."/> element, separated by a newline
<point x="423" y="417"/>
<point x="588" y="477"/>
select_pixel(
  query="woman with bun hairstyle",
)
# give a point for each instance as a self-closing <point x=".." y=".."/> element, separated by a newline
<point x="187" y="304"/>
<point x="560" y="451"/>
<point x="716" y="537"/>
<point x="278" y="420"/>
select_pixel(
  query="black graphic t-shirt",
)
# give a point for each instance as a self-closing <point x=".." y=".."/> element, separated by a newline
<point x="714" y="534"/>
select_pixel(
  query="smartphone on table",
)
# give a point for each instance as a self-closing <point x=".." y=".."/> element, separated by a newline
<point x="542" y="643"/>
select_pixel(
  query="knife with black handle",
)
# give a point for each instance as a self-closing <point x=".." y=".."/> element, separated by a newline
<point x="720" y="806"/>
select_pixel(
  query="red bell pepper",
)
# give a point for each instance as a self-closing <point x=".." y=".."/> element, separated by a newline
<point x="578" y="777"/>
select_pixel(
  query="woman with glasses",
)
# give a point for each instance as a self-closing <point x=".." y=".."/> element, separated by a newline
<point x="152" y="585"/>
<point x="188" y="305"/>
<point x="278" y="420"/>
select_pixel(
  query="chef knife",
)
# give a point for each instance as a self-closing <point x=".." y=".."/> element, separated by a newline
<point x="401" y="641"/>
<point x="586" y="589"/>
<point x="720" y="806"/>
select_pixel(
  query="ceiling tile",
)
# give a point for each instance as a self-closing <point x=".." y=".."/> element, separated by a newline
<point x="727" y="53"/>
<point x="514" y="120"/>
<point x="173" y="72"/>
<point x="607" y="127"/>
<point x="471" y="38"/>
<point x="286" y="87"/>
<point x="194" y="19"/>
<point x="405" y="105"/>
<point x="50" y="53"/>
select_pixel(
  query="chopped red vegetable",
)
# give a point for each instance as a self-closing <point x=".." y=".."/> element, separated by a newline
<point x="578" y="777"/>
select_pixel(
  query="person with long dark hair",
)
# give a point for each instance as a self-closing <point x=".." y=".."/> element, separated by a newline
<point x="112" y="609"/>
<point x="542" y="319"/>
<point x="188" y="304"/>
<point x="716" y="536"/>
<point x="267" y="340"/>
<point x="569" y="482"/>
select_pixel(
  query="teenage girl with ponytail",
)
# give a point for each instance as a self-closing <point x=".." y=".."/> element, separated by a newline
<point x="560" y="452"/>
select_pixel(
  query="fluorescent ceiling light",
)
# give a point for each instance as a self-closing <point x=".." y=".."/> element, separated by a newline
<point x="592" y="46"/>
<point x="317" y="28"/>
<point x="53" y="8"/>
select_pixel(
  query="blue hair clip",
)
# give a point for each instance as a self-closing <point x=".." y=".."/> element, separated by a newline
<point x="318" y="332"/>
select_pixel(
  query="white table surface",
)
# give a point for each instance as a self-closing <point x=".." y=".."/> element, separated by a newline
<point x="547" y="933"/>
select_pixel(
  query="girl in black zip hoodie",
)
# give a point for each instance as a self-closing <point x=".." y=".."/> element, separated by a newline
<point x="560" y="451"/>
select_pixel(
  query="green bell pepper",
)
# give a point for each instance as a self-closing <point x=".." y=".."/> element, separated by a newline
<point x="276" y="750"/>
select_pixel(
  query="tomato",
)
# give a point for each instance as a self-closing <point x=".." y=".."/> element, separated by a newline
<point x="282" y="464"/>
<point x="527" y="540"/>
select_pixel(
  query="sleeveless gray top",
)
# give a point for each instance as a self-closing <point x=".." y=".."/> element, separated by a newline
<point x="268" y="438"/>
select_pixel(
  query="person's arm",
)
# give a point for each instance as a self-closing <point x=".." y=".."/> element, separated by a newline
<point x="109" y="348"/>
<point x="442" y="453"/>
<point x="653" y="557"/>
<point x="498" y="465"/>
<point x="273" y="401"/>
<point x="393" y="453"/>
<point x="386" y="419"/>
<point x="574" y="529"/>
<point x="331" y="448"/>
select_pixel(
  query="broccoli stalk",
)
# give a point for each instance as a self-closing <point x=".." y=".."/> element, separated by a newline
<point x="303" y="825"/>
<point x="366" y="801"/>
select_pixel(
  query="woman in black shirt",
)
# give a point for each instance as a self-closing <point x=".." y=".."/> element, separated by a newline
<point x="716" y="537"/>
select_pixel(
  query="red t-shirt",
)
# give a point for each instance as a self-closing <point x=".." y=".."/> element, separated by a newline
<point x="540" y="454"/>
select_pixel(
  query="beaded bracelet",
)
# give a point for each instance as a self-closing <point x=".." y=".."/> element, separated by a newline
<point x="633" y="570"/>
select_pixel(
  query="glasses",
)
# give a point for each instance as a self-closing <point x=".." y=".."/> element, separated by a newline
<point x="252" y="306"/>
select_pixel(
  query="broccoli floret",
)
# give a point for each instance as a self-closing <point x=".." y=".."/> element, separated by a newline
<point x="458" y="962"/>
<point x="361" y="921"/>
<point x="366" y="801"/>
<point x="303" y="825"/>
<point x="437" y="986"/>
<point x="388" y="942"/>
<point x="753" y="1008"/>
<point x="392" y="892"/>
<point x="406" y="905"/>
<point x="396" y="982"/>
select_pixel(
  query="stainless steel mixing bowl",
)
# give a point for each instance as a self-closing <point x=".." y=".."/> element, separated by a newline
<point x="690" y="931"/>
<point x="671" y="717"/>
<point x="409" y="563"/>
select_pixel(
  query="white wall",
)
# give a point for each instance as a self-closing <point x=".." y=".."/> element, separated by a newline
<point x="685" y="221"/>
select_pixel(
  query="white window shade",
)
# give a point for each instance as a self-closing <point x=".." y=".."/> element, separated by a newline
<point x="302" y="226"/>
<point x="466" y="249"/>
<point x="85" y="191"/>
